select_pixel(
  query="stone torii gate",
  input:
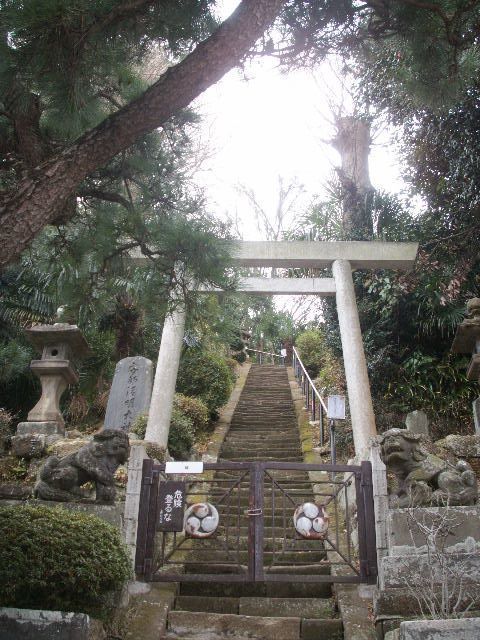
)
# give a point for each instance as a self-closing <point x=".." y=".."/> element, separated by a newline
<point x="342" y="258"/>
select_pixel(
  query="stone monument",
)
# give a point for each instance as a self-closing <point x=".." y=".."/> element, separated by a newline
<point x="417" y="422"/>
<point x="130" y="393"/>
<point x="59" y="344"/>
<point x="467" y="340"/>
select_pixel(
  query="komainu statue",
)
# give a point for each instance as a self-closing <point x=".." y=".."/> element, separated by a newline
<point x="423" y="478"/>
<point x="61" y="478"/>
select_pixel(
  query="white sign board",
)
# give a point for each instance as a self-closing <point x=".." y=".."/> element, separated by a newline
<point x="336" y="407"/>
<point x="183" y="467"/>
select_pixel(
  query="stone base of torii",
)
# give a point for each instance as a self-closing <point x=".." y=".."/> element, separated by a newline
<point x="342" y="258"/>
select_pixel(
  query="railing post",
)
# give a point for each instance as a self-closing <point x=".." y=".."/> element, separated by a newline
<point x="321" y="425"/>
<point x="333" y="448"/>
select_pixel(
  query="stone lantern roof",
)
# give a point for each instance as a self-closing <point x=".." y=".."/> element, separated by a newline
<point x="48" y="335"/>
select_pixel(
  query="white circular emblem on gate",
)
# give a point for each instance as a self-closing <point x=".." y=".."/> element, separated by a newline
<point x="201" y="520"/>
<point x="311" y="521"/>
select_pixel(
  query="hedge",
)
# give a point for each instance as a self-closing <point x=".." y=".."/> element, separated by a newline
<point x="52" y="558"/>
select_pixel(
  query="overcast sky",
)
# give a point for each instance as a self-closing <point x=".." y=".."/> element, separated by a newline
<point x="260" y="123"/>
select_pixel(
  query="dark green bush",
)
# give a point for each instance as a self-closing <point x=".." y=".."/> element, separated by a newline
<point x="58" y="559"/>
<point x="311" y="347"/>
<point x="6" y="425"/>
<point x="181" y="436"/>
<point x="206" y="376"/>
<point x="195" y="409"/>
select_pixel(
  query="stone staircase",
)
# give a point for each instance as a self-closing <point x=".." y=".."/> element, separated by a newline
<point x="263" y="427"/>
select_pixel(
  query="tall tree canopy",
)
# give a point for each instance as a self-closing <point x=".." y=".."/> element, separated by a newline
<point x="72" y="97"/>
<point x="64" y="56"/>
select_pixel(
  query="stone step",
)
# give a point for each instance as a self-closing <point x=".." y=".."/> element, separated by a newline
<point x="268" y="419"/>
<point x="274" y="426"/>
<point x="263" y="437"/>
<point x="314" y="629"/>
<point x="284" y="477"/>
<point x="244" y="502"/>
<point x="265" y="422"/>
<point x="262" y="458"/>
<point x="302" y="491"/>
<point x="226" y="568"/>
<point x="288" y="557"/>
<point x="260" y="439"/>
<point x="310" y="608"/>
<point x="191" y="624"/>
<point x="246" y="448"/>
<point x="259" y="589"/>
<point x="255" y="454"/>
<point x="281" y="406"/>
<point x="207" y="603"/>
<point x="287" y="607"/>
<point x="292" y="544"/>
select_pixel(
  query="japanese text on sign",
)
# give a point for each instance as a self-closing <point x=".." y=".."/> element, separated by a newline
<point x="171" y="500"/>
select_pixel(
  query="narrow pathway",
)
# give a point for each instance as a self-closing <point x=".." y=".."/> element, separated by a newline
<point x="263" y="427"/>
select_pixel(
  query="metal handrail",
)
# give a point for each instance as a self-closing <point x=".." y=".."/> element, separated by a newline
<point x="266" y="353"/>
<point x="314" y="402"/>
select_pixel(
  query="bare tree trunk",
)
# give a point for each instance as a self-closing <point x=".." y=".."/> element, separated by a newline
<point x="41" y="196"/>
<point x="353" y="143"/>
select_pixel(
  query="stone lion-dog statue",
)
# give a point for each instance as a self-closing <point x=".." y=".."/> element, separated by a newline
<point x="423" y="478"/>
<point x="60" y="479"/>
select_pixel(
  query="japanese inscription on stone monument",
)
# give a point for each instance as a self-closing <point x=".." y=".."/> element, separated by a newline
<point x="130" y="393"/>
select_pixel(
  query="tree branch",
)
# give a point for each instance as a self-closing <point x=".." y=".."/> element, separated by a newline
<point x="107" y="196"/>
<point x="41" y="195"/>
<point x="117" y="13"/>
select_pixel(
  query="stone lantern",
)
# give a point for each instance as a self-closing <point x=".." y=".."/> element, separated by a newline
<point x="467" y="340"/>
<point x="59" y="344"/>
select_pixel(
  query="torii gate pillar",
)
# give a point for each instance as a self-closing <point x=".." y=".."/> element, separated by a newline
<point x="358" y="385"/>
<point x="163" y="393"/>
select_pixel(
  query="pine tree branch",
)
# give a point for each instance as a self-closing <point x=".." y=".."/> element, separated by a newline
<point x="117" y="13"/>
<point x="41" y="196"/>
<point x="108" y="196"/>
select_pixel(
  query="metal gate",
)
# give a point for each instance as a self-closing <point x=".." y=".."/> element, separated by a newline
<point x="257" y="521"/>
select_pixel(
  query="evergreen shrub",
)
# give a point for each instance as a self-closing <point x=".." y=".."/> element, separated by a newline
<point x="6" y="425"/>
<point x="206" y="376"/>
<point x="58" y="559"/>
<point x="195" y="409"/>
<point x="181" y="436"/>
<point x="310" y="346"/>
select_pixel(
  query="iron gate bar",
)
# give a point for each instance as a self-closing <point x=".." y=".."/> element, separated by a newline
<point x="256" y="523"/>
<point x="252" y="480"/>
<point x="152" y="522"/>
<point x="140" y="554"/>
<point x="286" y="495"/>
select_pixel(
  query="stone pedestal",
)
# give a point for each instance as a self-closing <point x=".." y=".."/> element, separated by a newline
<point x="55" y="376"/>
<point x="34" y="437"/>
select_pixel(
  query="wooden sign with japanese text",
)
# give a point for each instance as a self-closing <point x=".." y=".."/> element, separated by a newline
<point x="171" y="506"/>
